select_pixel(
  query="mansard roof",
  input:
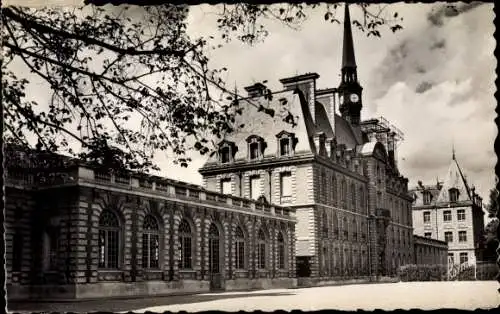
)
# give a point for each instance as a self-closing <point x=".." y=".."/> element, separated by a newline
<point x="322" y="121"/>
<point x="257" y="122"/>
<point x="454" y="179"/>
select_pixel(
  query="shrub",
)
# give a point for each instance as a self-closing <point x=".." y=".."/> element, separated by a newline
<point x="436" y="272"/>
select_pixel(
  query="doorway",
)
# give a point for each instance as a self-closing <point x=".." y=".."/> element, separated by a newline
<point x="214" y="255"/>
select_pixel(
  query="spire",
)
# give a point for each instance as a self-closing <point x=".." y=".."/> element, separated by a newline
<point x="348" y="59"/>
<point x="453" y="151"/>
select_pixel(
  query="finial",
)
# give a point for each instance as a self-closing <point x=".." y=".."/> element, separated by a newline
<point x="453" y="151"/>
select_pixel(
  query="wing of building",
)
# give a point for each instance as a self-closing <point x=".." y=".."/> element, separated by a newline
<point x="450" y="211"/>
<point x="309" y="149"/>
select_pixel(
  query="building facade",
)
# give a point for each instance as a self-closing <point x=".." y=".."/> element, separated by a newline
<point x="73" y="231"/>
<point x="450" y="211"/>
<point x="308" y="148"/>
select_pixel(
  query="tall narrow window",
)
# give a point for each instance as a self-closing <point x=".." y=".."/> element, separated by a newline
<point x="447" y="215"/>
<point x="427" y="197"/>
<point x="17" y="251"/>
<point x="286" y="187"/>
<point x="226" y="186"/>
<point x="427" y="217"/>
<point x="461" y="214"/>
<point x="346" y="229"/>
<point x="335" y="226"/>
<point x="225" y="153"/>
<point x="186" y="247"/>
<point x="109" y="240"/>
<point x="285" y="147"/>
<point x="362" y="200"/>
<point x="240" y="248"/>
<point x="343" y="192"/>
<point x="354" y="230"/>
<point x="448" y="236"/>
<point x="453" y="193"/>
<point x="464" y="258"/>
<point x="334" y="189"/>
<point x="281" y="251"/>
<point x="462" y="236"/>
<point x="254" y="151"/>
<point x="353" y="196"/>
<point x="261" y="250"/>
<point x="255" y="187"/>
<point x="150" y="243"/>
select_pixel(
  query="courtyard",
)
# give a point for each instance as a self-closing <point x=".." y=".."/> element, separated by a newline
<point x="467" y="295"/>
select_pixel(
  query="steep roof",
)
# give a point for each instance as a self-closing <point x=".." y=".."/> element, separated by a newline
<point x="455" y="179"/>
<point x="348" y="59"/>
<point x="257" y="122"/>
<point x="322" y="122"/>
<point x="346" y="134"/>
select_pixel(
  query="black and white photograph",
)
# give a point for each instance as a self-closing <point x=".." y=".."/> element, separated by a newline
<point x="249" y="156"/>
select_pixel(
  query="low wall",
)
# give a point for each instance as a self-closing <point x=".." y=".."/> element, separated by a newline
<point x="106" y="290"/>
<point x="261" y="283"/>
<point x="318" y="282"/>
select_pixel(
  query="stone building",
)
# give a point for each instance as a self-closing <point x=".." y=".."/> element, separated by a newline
<point x="430" y="251"/>
<point x="450" y="211"/>
<point x="309" y="149"/>
<point x="73" y="231"/>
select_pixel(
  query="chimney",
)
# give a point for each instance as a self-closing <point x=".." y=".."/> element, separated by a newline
<point x="256" y="90"/>
<point x="327" y="98"/>
<point x="391" y="149"/>
<point x="306" y="83"/>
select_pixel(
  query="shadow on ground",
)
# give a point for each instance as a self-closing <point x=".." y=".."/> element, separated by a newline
<point x="122" y="305"/>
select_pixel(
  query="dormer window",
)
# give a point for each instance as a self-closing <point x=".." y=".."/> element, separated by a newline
<point x="256" y="146"/>
<point x="453" y="193"/>
<point x="427" y="197"/>
<point x="227" y="150"/>
<point x="286" y="143"/>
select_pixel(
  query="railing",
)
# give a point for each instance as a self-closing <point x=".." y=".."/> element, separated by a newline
<point x="170" y="187"/>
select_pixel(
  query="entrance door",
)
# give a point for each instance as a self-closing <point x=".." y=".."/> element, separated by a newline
<point x="214" y="258"/>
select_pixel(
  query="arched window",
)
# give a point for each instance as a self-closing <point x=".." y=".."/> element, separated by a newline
<point x="186" y="243"/>
<point x="335" y="225"/>
<point x="261" y="250"/>
<point x="109" y="240"/>
<point x="281" y="251"/>
<point x="150" y="243"/>
<point x="240" y="248"/>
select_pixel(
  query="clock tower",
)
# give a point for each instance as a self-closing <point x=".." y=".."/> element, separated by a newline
<point x="349" y="89"/>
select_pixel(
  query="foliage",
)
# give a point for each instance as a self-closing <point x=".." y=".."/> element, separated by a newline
<point x="492" y="206"/>
<point x="412" y="272"/>
<point x="126" y="82"/>
<point x="486" y="271"/>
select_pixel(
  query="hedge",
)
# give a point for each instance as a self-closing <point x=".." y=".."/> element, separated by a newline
<point x="436" y="272"/>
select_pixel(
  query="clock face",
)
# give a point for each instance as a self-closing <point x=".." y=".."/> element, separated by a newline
<point x="354" y="98"/>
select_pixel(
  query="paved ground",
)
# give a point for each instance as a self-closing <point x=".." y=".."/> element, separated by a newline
<point x="468" y="295"/>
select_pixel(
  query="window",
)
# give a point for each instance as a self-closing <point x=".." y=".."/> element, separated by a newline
<point x="261" y="250"/>
<point x="255" y="187"/>
<point x="150" y="243"/>
<point x="240" y="249"/>
<point x="447" y="215"/>
<point x="448" y="236"/>
<point x="17" y="251"/>
<point x="256" y="146"/>
<point x="361" y="200"/>
<point x="324" y="222"/>
<point x="281" y="251"/>
<point x="254" y="151"/>
<point x="346" y="229"/>
<point x="451" y="259"/>
<point x="343" y="192"/>
<point x="427" y="197"/>
<point x="427" y="217"/>
<point x="428" y="234"/>
<point x="54" y="236"/>
<point x="227" y="150"/>
<point x="354" y="230"/>
<point x="462" y="236"/>
<point x="226" y="187"/>
<point x="186" y="245"/>
<point x="286" y="187"/>
<point x="461" y="214"/>
<point x="464" y="258"/>
<point x="284" y="147"/>
<point x="224" y="155"/>
<point x="286" y="143"/>
<point x="353" y="196"/>
<point x="109" y="240"/>
<point x="334" y="187"/>
<point x="453" y="193"/>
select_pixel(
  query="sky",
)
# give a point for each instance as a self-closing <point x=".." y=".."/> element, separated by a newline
<point x="434" y="80"/>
